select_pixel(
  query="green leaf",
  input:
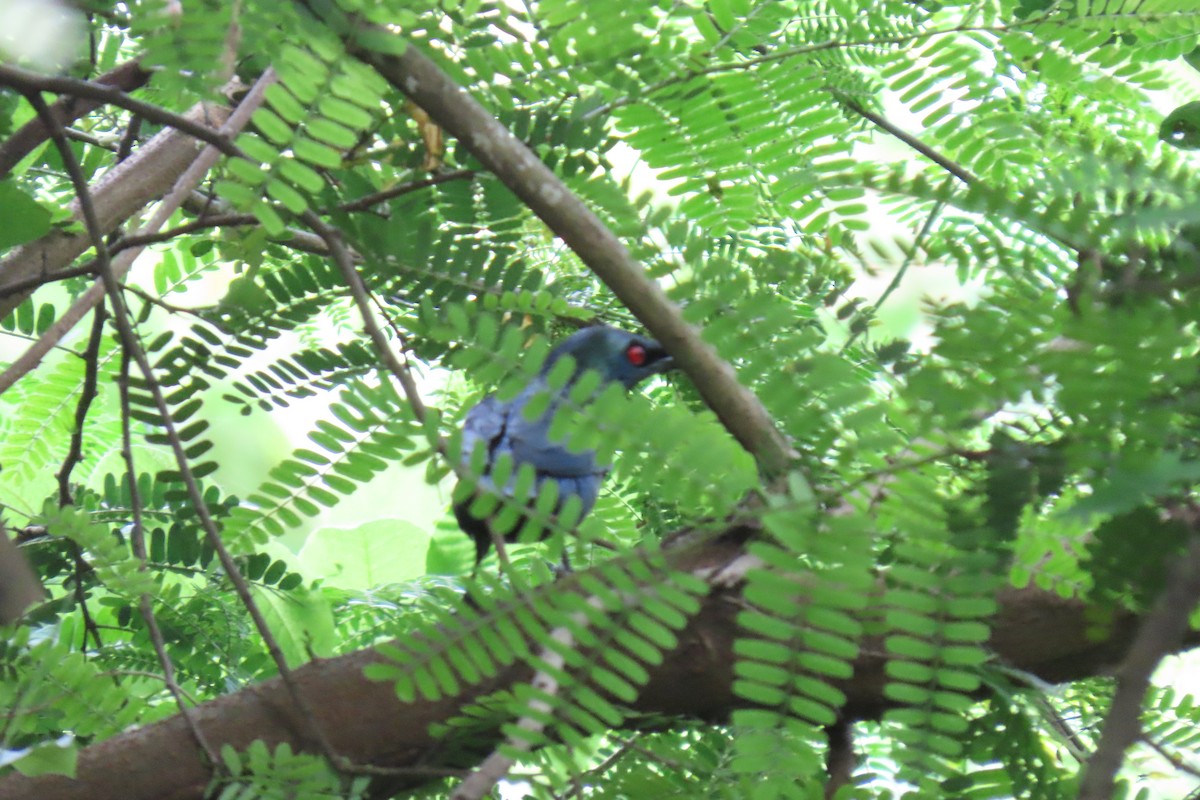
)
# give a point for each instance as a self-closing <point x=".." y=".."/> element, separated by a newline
<point x="24" y="219"/>
<point x="1135" y="479"/>
<point x="362" y="558"/>
<point x="55" y="758"/>
<point x="301" y="621"/>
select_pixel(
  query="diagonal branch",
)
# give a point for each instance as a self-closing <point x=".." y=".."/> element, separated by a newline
<point x="1160" y="634"/>
<point x="955" y="169"/>
<point x="26" y="81"/>
<point x="91" y="361"/>
<point x="145" y="604"/>
<point x="145" y="176"/>
<point x="127" y="196"/>
<point x="567" y="216"/>
<point x="358" y="290"/>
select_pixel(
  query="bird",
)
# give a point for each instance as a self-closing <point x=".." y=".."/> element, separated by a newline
<point x="502" y="426"/>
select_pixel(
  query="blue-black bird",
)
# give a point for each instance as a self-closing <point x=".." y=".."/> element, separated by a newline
<point x="617" y="356"/>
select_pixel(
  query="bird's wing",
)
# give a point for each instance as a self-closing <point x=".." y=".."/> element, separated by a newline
<point x="530" y="443"/>
<point x="484" y="422"/>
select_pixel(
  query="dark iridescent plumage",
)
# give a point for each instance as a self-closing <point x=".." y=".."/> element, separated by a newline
<point x="617" y="356"/>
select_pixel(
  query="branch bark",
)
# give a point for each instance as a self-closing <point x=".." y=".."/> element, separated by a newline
<point x="19" y="586"/>
<point x="124" y="78"/>
<point x="137" y="181"/>
<point x="1159" y="635"/>
<point x="1034" y="630"/>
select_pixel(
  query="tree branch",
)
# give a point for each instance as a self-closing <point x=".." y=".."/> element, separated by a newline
<point x="374" y="199"/>
<point x="91" y="369"/>
<point x="56" y="251"/>
<point x="26" y="81"/>
<point x="1159" y="634"/>
<point x="568" y="217"/>
<point x="123" y="78"/>
<point x="958" y="171"/>
<point x="1034" y="630"/>
<point x="1170" y="756"/>
<point x="145" y="176"/>
<point x="808" y="49"/>
<point x="28" y="284"/>
<point x="840" y="760"/>
<point x="132" y="344"/>
<point x="145" y="603"/>
<point x="358" y="290"/>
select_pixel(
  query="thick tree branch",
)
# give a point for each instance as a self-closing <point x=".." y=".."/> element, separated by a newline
<point x="1033" y="630"/>
<point x="840" y="759"/>
<point x="568" y="217"/>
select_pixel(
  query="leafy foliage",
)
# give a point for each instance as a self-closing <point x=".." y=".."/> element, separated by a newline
<point x="766" y="160"/>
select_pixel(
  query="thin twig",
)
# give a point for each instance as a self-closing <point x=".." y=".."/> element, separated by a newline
<point x="367" y="201"/>
<point x="132" y="130"/>
<point x="1174" y="758"/>
<point x="145" y="605"/>
<point x="16" y="287"/>
<point x="792" y="52"/>
<point x="133" y="345"/>
<point x="82" y="568"/>
<point x="158" y="301"/>
<point x="840" y="760"/>
<point x="27" y="82"/>
<point x="75" y="452"/>
<point x="577" y="783"/>
<point x="955" y="169"/>
<point x="1159" y="634"/>
<point x="87" y="393"/>
<point x="898" y="278"/>
<point x="341" y="256"/>
<point x="1069" y="736"/>
<point x="202" y="224"/>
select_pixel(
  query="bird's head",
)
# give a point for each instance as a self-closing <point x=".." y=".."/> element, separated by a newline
<point x="616" y="354"/>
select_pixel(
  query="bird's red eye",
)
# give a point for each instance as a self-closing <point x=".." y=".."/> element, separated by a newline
<point x="636" y="354"/>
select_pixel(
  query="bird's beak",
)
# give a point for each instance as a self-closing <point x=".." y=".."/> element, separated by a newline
<point x="660" y="360"/>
